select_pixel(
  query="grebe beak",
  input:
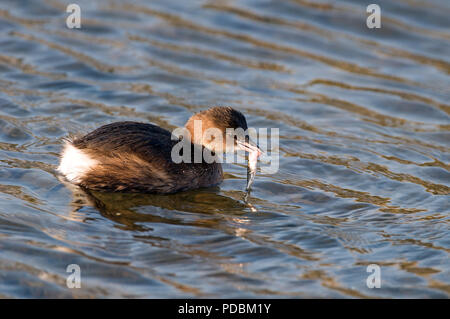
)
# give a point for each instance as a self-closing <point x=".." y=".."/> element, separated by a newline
<point x="249" y="146"/>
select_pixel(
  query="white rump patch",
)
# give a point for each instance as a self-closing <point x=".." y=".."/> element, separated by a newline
<point x="74" y="163"/>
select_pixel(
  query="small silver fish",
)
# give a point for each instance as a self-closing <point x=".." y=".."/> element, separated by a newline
<point x="253" y="153"/>
<point x="251" y="168"/>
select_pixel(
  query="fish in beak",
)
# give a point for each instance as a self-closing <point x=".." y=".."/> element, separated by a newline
<point x="253" y="153"/>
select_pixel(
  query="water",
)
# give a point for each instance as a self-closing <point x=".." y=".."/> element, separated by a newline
<point x="364" y="121"/>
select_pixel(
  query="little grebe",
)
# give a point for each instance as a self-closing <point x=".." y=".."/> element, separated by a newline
<point x="137" y="157"/>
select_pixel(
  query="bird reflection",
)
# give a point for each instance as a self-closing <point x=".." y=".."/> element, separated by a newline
<point x="136" y="211"/>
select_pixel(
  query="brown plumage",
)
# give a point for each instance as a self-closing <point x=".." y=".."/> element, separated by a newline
<point x="136" y="157"/>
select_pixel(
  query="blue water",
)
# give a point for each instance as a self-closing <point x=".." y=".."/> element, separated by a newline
<point x="364" y="120"/>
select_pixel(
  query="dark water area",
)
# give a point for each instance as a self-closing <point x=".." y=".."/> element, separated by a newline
<point x="364" y="149"/>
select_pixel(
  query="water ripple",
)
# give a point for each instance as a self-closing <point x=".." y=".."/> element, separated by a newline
<point x="363" y="177"/>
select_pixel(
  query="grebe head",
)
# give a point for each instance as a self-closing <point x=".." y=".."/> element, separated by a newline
<point x="221" y="129"/>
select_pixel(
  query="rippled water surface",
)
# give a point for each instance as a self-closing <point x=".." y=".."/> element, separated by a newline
<point x="364" y="119"/>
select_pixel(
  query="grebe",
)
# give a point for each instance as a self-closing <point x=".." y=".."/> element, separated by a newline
<point x="137" y="157"/>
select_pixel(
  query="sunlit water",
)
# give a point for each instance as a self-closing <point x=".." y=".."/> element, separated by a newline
<point x="364" y="148"/>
